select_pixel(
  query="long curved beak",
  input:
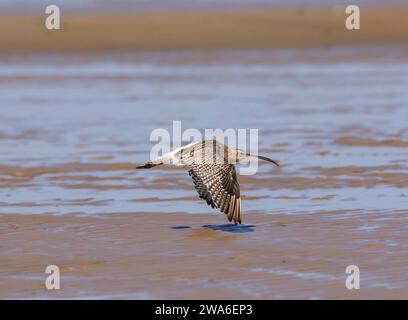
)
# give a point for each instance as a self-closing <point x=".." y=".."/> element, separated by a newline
<point x="265" y="158"/>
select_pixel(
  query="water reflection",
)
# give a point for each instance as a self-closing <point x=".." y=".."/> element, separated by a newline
<point x="73" y="128"/>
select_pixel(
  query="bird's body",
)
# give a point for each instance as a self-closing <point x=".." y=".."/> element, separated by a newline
<point x="209" y="151"/>
<point x="212" y="167"/>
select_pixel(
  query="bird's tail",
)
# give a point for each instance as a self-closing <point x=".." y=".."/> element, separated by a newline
<point x="148" y="165"/>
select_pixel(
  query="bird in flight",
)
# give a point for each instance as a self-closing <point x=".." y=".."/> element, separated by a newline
<point x="211" y="165"/>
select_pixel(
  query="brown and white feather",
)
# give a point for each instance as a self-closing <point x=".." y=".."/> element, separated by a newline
<point x="218" y="185"/>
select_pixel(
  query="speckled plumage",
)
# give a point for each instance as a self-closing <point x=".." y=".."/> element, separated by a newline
<point x="211" y="165"/>
<point x="218" y="185"/>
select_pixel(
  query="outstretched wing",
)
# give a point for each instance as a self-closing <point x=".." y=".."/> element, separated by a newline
<point x="218" y="185"/>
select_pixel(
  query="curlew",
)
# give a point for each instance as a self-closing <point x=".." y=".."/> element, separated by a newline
<point x="211" y="164"/>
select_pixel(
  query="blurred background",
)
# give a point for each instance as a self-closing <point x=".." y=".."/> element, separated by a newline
<point x="126" y="5"/>
<point x="77" y="107"/>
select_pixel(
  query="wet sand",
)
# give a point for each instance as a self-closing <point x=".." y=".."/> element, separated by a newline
<point x="269" y="28"/>
<point x="181" y="256"/>
<point x="335" y="119"/>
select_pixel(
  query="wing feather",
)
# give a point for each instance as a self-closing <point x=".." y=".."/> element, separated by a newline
<point x="218" y="185"/>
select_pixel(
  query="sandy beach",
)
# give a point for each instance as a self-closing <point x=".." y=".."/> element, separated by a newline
<point x="179" y="256"/>
<point x="330" y="105"/>
<point x="70" y="195"/>
<point x="271" y="28"/>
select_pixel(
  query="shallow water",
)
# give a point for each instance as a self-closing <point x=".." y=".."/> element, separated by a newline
<point x="74" y="127"/>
